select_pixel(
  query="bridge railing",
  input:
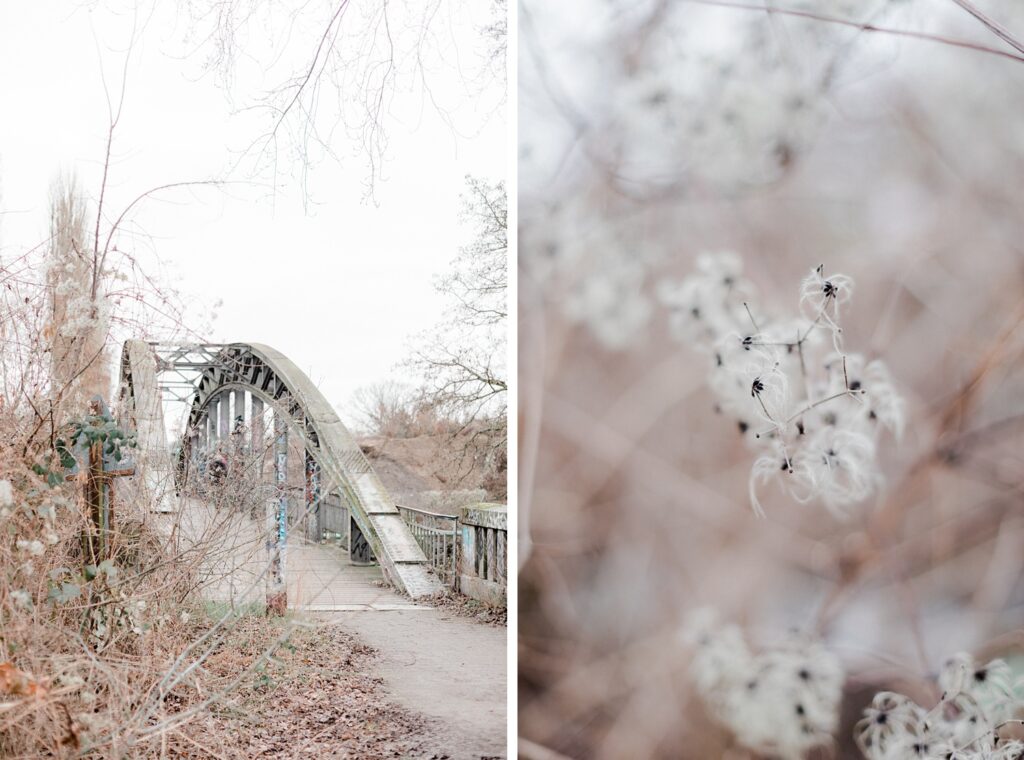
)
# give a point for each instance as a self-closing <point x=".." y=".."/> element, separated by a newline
<point x="483" y="554"/>
<point x="468" y="552"/>
<point x="438" y="537"/>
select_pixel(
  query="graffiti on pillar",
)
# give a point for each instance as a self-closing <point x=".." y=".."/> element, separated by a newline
<point x="314" y="513"/>
<point x="359" y="550"/>
<point x="277" y="597"/>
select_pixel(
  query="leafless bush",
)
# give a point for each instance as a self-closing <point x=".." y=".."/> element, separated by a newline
<point x="105" y="631"/>
<point x="104" y="655"/>
<point x="396" y="410"/>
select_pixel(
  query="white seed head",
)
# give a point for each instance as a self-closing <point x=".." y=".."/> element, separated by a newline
<point x="812" y="411"/>
<point x="782" y="701"/>
<point x="963" y="725"/>
<point x="838" y="467"/>
<point x="33" y="548"/>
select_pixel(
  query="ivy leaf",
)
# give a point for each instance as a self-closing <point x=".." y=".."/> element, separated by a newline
<point x="107" y="566"/>
<point x="64" y="593"/>
<point x="67" y="459"/>
<point x="57" y="572"/>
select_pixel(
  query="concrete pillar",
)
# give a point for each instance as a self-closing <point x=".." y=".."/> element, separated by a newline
<point x="314" y="509"/>
<point x="238" y="410"/>
<point x="501" y="558"/>
<point x="277" y="593"/>
<point x="256" y="429"/>
<point x="211" y="419"/>
<point x="224" y="420"/>
<point x="468" y="555"/>
<point x="491" y="554"/>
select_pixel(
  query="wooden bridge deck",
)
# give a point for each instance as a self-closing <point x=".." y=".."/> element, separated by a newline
<point x="229" y="549"/>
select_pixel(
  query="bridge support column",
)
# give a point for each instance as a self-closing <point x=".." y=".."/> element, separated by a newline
<point x="359" y="550"/>
<point x="224" y="422"/>
<point x="211" y="423"/>
<point x="277" y="593"/>
<point x="196" y="442"/>
<point x="195" y="436"/>
<point x="314" y="511"/>
<point x="238" y="423"/>
<point x="256" y="431"/>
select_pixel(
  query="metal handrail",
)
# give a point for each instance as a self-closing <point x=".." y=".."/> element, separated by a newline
<point x="429" y="514"/>
<point x="439" y="544"/>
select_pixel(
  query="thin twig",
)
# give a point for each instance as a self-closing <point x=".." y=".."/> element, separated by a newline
<point x="951" y="41"/>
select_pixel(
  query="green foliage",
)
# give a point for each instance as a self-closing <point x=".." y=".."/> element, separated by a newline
<point x="106" y="567"/>
<point x="66" y="585"/>
<point x="64" y="592"/>
<point x="85" y="432"/>
<point x="263" y="679"/>
<point x="93" y="429"/>
<point x="53" y="478"/>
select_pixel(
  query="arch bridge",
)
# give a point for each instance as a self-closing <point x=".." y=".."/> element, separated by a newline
<point x="231" y="391"/>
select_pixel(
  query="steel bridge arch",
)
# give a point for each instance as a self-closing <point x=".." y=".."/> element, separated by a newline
<point x="270" y="376"/>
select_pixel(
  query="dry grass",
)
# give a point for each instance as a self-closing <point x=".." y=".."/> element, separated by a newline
<point x="313" y="699"/>
<point x="464" y="606"/>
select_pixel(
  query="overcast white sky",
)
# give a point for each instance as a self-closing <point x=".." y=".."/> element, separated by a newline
<point x="339" y="287"/>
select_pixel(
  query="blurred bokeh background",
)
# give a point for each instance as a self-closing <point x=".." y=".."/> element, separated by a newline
<point x="883" y="139"/>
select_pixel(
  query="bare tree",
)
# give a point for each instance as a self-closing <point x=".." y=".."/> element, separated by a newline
<point x="463" y="359"/>
<point x="497" y="34"/>
<point x="95" y="286"/>
<point x="70" y="297"/>
<point x="336" y="67"/>
<point x="395" y="410"/>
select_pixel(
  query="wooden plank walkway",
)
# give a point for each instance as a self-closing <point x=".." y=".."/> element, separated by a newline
<point x="232" y="560"/>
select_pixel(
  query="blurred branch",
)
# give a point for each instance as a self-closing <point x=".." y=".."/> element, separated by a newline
<point x="999" y="31"/>
<point x="771" y="9"/>
<point x="957" y="409"/>
<point x="533" y="751"/>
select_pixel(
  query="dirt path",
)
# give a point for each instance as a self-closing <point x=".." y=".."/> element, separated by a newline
<point x="446" y="668"/>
